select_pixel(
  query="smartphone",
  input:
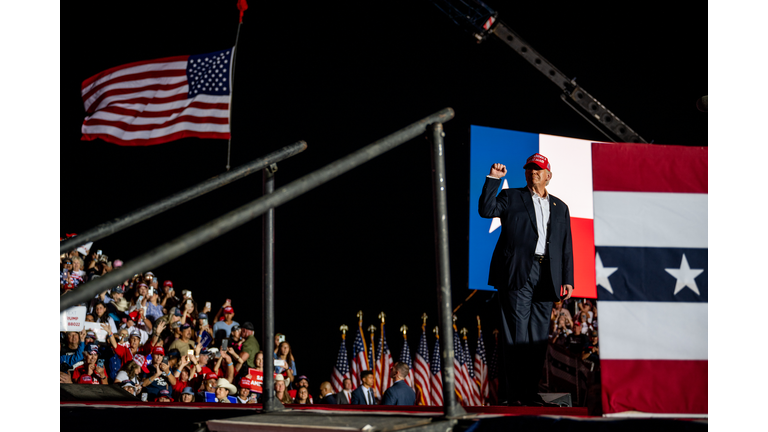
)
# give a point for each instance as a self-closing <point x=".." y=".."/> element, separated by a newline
<point x="189" y="301"/>
<point x="100" y="362"/>
<point x="218" y="354"/>
<point x="190" y="352"/>
<point x="189" y="294"/>
<point x="281" y="338"/>
<point x="151" y="292"/>
<point x="141" y="297"/>
<point x="98" y="252"/>
<point x="204" y="322"/>
<point x="224" y="344"/>
<point x="280" y="363"/>
<point x="208" y="305"/>
<point x="229" y="302"/>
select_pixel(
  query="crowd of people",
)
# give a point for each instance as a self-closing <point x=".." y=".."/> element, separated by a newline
<point x="578" y="335"/>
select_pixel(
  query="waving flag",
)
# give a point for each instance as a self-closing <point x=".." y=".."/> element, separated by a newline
<point x="360" y="359"/>
<point x="571" y="161"/>
<point x="405" y="357"/>
<point x="436" y="381"/>
<point x="474" y="390"/>
<point x="383" y="364"/>
<point x="341" y="370"/>
<point x="481" y="367"/>
<point x="462" y="374"/>
<point x="421" y="371"/>
<point x="652" y="273"/>
<point x="157" y="101"/>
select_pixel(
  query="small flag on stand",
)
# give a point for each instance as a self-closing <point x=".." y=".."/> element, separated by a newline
<point x="405" y="356"/>
<point x="341" y="370"/>
<point x="481" y="366"/>
<point x="436" y="380"/>
<point x="383" y="363"/>
<point x="462" y="375"/>
<point x="157" y="101"/>
<point x="474" y="391"/>
<point x="421" y="372"/>
<point x="360" y="357"/>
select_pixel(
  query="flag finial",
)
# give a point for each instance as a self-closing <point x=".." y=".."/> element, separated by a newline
<point x="343" y="329"/>
<point x="359" y="315"/>
<point x="404" y="329"/>
<point x="464" y="332"/>
<point x="382" y="315"/>
<point x="372" y="328"/>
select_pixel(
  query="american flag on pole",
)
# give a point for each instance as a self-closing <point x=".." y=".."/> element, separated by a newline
<point x="493" y="372"/>
<point x="481" y="366"/>
<point x="651" y="261"/>
<point x="341" y="370"/>
<point x="421" y="372"/>
<point x="360" y="358"/>
<point x="462" y="375"/>
<point x="157" y="101"/>
<point x="405" y="357"/>
<point x="436" y="380"/>
<point x="474" y="390"/>
<point x="383" y="364"/>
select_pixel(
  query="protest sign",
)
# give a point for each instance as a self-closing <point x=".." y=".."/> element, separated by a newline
<point x="101" y="334"/>
<point x="72" y="319"/>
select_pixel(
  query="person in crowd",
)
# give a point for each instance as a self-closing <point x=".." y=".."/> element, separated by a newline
<point x="592" y="351"/>
<point x="363" y="394"/>
<point x="116" y="302"/>
<point x="139" y="295"/>
<point x="303" y="381"/>
<point x="531" y="266"/>
<point x="95" y="373"/>
<point x="344" y="397"/>
<point x="101" y="315"/>
<point x="159" y="377"/>
<point x="72" y="352"/>
<point x="586" y="306"/>
<point x="236" y="338"/>
<point x="223" y="365"/>
<point x="185" y="342"/>
<point x="127" y="350"/>
<point x="200" y="370"/>
<point x="183" y="376"/>
<point x="244" y="394"/>
<point x="237" y="358"/>
<point x="279" y="337"/>
<point x="130" y="387"/>
<point x="130" y="372"/>
<point x="208" y="386"/>
<point x="222" y="329"/>
<point x="250" y="345"/>
<point x="288" y="370"/>
<point x="164" y="396"/>
<point x="302" y="396"/>
<point x="187" y="395"/>
<point x="223" y="389"/>
<point x="577" y="341"/>
<point x="399" y="393"/>
<point x="170" y="300"/>
<point x="154" y="306"/>
<point x="281" y="393"/>
<point x="326" y="394"/>
<point x="189" y="312"/>
<point x="77" y="270"/>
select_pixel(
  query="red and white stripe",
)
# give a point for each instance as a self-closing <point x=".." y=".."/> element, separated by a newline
<point x="337" y="379"/>
<point x="147" y="103"/>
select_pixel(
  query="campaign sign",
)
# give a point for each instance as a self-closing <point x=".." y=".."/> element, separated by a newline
<point x="101" y="334"/>
<point x="205" y="339"/>
<point x="255" y="381"/>
<point x="571" y="161"/>
<point x="73" y="319"/>
<point x="211" y="397"/>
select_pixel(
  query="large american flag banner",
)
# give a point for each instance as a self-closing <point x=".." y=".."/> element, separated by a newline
<point x="383" y="364"/>
<point x="341" y="370"/>
<point x="421" y="371"/>
<point x="405" y="357"/>
<point x="481" y="367"/>
<point x="360" y="358"/>
<point x="652" y="271"/>
<point x="436" y="381"/>
<point x="157" y="101"/>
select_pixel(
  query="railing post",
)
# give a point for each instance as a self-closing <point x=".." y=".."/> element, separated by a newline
<point x="451" y="408"/>
<point x="270" y="402"/>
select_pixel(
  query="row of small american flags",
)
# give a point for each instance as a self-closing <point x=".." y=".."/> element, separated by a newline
<point x="476" y="377"/>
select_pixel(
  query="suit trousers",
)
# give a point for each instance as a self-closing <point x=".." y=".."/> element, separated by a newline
<point x="525" y="313"/>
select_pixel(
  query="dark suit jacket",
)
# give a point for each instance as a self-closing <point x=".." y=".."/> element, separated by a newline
<point x="399" y="394"/>
<point x="358" y="397"/>
<point x="513" y="256"/>
<point x="328" y="399"/>
<point x="341" y="398"/>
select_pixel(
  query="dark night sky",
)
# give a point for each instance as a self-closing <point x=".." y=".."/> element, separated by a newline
<point x="339" y="76"/>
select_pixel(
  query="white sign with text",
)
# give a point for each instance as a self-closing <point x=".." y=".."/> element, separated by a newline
<point x="73" y="319"/>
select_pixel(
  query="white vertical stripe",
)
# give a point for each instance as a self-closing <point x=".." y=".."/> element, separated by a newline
<point x="653" y="330"/>
<point x="571" y="161"/>
<point x="644" y="219"/>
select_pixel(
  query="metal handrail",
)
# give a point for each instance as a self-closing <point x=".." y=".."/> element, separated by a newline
<point x="108" y="228"/>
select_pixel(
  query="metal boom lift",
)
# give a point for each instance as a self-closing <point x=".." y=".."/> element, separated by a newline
<point x="476" y="18"/>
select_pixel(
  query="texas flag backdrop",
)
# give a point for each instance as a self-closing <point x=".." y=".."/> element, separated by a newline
<point x="571" y="161"/>
<point x="652" y="272"/>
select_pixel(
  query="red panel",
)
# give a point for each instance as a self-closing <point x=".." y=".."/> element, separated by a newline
<point x="583" y="233"/>
<point x="649" y="168"/>
<point x="655" y="386"/>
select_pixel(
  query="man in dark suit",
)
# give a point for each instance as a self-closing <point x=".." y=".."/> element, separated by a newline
<point x="345" y="395"/>
<point x="532" y="260"/>
<point x="399" y="393"/>
<point x="326" y="394"/>
<point x="363" y="395"/>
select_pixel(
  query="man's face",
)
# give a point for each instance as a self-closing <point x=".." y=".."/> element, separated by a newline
<point x="117" y="296"/>
<point x="210" y="385"/>
<point x="203" y="359"/>
<point x="73" y="338"/>
<point x="303" y="383"/>
<point x="368" y="380"/>
<point x="244" y="392"/>
<point x="187" y="333"/>
<point x="229" y="316"/>
<point x="187" y="398"/>
<point x="259" y="360"/>
<point x="393" y="373"/>
<point x="221" y="393"/>
<point x="135" y="341"/>
<point x="537" y="177"/>
<point x="130" y="390"/>
<point x="347" y="384"/>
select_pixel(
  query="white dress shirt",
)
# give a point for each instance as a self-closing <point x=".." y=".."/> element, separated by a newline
<point x="541" y="207"/>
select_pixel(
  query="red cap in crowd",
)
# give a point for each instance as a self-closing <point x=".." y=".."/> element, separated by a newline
<point x="211" y="376"/>
<point x="86" y="379"/>
<point x="158" y="350"/>
<point x="228" y="309"/>
<point x="141" y="361"/>
<point x="168" y="284"/>
<point x="539" y="160"/>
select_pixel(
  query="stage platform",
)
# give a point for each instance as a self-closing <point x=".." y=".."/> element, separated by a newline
<point x="250" y="418"/>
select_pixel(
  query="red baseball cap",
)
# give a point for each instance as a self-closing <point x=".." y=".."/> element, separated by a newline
<point x="85" y="379"/>
<point x="168" y="283"/>
<point x="158" y="350"/>
<point x="141" y="361"/>
<point x="229" y="309"/>
<point x="539" y="160"/>
<point x="211" y="376"/>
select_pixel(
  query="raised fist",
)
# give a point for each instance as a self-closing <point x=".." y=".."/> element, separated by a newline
<point x="498" y="170"/>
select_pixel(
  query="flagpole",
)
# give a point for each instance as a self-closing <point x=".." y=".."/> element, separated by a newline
<point x="232" y="87"/>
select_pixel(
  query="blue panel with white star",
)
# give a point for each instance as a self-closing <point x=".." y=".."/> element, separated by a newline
<point x="652" y="274"/>
<point x="209" y="73"/>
